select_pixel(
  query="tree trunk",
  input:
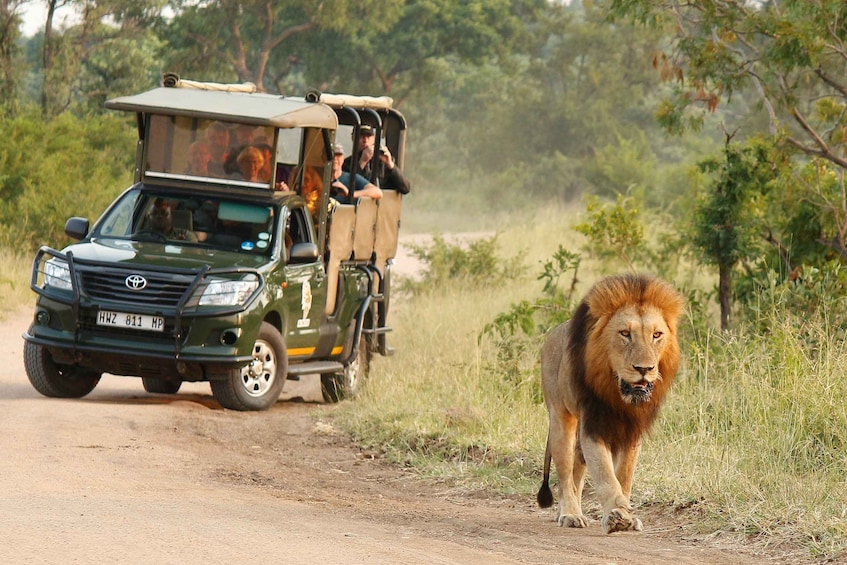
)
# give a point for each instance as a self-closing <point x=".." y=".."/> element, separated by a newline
<point x="725" y="294"/>
<point x="47" y="58"/>
<point x="9" y="34"/>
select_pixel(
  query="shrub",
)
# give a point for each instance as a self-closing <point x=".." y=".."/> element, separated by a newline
<point x="472" y="264"/>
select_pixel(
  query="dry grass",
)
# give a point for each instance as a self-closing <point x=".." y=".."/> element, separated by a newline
<point x="752" y="441"/>
<point x="14" y="282"/>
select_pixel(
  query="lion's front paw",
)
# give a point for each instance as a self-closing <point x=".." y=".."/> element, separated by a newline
<point x="619" y="520"/>
<point x="572" y="521"/>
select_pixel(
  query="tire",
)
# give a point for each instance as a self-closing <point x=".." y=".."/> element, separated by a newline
<point x="160" y="386"/>
<point x="351" y="381"/>
<point x="257" y="385"/>
<point x="54" y="380"/>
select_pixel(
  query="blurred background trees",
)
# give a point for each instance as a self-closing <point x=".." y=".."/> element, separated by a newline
<point x="514" y="105"/>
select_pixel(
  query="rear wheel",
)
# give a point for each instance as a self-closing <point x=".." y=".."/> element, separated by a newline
<point x="256" y="385"/>
<point x="54" y="380"/>
<point x="160" y="386"/>
<point x="349" y="382"/>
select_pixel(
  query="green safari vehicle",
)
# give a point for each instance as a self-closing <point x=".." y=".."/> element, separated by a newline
<point x="199" y="273"/>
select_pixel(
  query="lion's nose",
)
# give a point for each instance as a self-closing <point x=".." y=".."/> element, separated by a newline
<point x="642" y="370"/>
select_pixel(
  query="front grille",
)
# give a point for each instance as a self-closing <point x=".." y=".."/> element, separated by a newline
<point x="163" y="290"/>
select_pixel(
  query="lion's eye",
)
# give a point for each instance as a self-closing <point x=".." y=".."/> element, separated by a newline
<point x="657" y="335"/>
<point x="625" y="333"/>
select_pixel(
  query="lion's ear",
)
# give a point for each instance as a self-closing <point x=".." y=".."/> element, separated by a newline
<point x="668" y="299"/>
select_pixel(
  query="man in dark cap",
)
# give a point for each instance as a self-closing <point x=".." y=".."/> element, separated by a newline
<point x="346" y="189"/>
<point x="390" y="178"/>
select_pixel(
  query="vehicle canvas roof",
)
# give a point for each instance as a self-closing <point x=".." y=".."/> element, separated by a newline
<point x="241" y="107"/>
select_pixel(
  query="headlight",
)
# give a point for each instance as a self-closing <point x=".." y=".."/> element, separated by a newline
<point x="57" y="274"/>
<point x="222" y="292"/>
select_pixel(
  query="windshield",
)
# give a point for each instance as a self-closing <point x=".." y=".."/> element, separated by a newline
<point x="165" y="217"/>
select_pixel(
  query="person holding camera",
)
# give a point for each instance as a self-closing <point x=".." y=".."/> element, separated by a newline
<point x="346" y="188"/>
<point x="390" y="177"/>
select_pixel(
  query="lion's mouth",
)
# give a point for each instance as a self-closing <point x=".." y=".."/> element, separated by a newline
<point x="636" y="393"/>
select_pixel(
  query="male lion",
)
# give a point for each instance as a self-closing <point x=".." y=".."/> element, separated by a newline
<point x="605" y="373"/>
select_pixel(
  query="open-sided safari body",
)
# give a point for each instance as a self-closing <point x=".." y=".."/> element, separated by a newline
<point x="247" y="285"/>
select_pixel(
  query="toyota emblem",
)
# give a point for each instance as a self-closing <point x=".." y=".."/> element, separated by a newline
<point x="135" y="282"/>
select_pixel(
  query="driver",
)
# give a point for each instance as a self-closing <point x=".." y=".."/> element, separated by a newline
<point x="161" y="221"/>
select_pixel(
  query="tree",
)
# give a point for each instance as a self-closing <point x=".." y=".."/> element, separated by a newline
<point x="10" y="22"/>
<point x="408" y="55"/>
<point x="790" y="54"/>
<point x="727" y="221"/>
<point x="240" y="39"/>
<point x="110" y="50"/>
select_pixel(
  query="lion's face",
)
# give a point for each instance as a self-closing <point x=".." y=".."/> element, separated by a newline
<point x="636" y="337"/>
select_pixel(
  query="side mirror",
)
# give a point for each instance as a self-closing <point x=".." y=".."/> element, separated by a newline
<point x="303" y="253"/>
<point x="76" y="228"/>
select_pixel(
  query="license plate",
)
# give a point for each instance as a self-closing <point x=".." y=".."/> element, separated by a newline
<point x="131" y="321"/>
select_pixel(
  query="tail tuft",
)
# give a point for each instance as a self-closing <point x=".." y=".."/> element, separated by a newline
<point x="545" y="496"/>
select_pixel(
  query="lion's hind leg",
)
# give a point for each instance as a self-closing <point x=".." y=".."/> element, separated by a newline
<point x="562" y="444"/>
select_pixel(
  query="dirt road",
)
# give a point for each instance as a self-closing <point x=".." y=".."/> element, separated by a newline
<point x="125" y="476"/>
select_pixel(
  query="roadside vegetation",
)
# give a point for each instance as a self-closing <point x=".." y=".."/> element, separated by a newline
<point x="750" y="445"/>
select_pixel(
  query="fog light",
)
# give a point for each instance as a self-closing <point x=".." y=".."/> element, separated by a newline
<point x="43" y="318"/>
<point x="230" y="337"/>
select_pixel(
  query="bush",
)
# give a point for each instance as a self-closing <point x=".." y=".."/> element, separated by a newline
<point x="472" y="264"/>
<point x="50" y="170"/>
<point x="517" y="332"/>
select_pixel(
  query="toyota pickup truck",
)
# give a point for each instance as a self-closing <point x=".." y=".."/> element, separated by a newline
<point x="199" y="273"/>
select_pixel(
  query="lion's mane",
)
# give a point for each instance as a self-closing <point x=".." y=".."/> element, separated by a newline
<point x="604" y="413"/>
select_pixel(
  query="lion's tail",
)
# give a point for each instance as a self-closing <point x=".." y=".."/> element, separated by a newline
<point x="545" y="495"/>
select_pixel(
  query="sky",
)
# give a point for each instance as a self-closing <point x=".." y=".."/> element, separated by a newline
<point x="34" y="13"/>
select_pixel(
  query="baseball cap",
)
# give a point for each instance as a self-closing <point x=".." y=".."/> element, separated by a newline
<point x="337" y="149"/>
<point x="365" y="129"/>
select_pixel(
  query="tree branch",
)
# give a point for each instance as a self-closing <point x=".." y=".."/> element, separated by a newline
<point x="831" y="82"/>
<point x="824" y="152"/>
<point x="817" y="153"/>
<point x="291" y="31"/>
<point x="784" y="256"/>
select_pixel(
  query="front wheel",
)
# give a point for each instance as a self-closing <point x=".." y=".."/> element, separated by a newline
<point x="349" y="382"/>
<point x="256" y="385"/>
<point x="54" y="380"/>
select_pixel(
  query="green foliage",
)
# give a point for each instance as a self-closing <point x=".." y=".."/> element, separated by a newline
<point x="10" y="67"/>
<point x="110" y="49"/>
<point x="614" y="230"/>
<point x="819" y="292"/>
<point x="474" y="263"/>
<point x="406" y="53"/>
<point x="628" y="165"/>
<point x="728" y="217"/>
<point x="267" y="42"/>
<point x="59" y="168"/>
<point x="786" y="54"/>
<point x="516" y="332"/>
<point x="118" y="66"/>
